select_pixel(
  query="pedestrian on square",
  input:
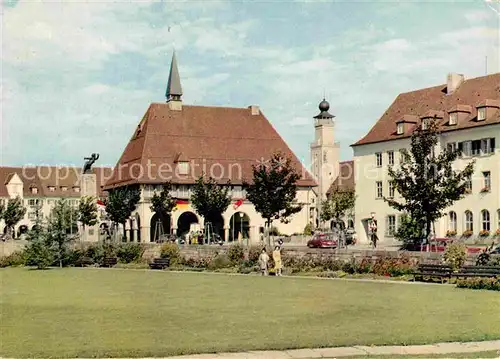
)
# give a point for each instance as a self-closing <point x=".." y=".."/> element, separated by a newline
<point x="277" y="261"/>
<point x="263" y="261"/>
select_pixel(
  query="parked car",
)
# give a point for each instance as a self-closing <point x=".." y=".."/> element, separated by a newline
<point x="323" y="240"/>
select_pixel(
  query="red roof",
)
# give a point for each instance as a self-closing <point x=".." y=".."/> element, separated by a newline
<point x="222" y="142"/>
<point x="43" y="177"/>
<point x="419" y="103"/>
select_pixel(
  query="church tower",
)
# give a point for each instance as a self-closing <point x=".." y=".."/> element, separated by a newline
<point x="324" y="153"/>
<point x="174" y="88"/>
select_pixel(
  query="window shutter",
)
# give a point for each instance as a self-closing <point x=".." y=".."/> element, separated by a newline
<point x="492" y="144"/>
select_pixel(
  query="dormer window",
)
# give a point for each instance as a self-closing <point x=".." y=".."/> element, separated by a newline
<point x="34" y="190"/>
<point x="481" y="114"/>
<point x="183" y="168"/>
<point x="453" y="119"/>
<point x="64" y="188"/>
<point x="52" y="189"/>
<point x="400" y="128"/>
<point x="425" y="123"/>
<point x="76" y="189"/>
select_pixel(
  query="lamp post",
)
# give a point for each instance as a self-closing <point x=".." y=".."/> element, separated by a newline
<point x="241" y="226"/>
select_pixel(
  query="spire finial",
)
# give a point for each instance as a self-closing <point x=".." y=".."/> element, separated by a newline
<point x="174" y="89"/>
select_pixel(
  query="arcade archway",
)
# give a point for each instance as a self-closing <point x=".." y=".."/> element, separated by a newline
<point x="215" y="225"/>
<point x="239" y="225"/>
<point x="184" y="223"/>
<point x="160" y="225"/>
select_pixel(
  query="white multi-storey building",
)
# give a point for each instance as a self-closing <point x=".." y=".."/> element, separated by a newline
<point x="468" y="115"/>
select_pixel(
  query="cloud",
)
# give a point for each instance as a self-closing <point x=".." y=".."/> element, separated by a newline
<point x="78" y="76"/>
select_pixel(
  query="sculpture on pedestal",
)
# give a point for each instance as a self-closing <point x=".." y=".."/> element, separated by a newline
<point x="89" y="161"/>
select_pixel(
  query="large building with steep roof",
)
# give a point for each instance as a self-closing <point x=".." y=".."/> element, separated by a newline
<point x="178" y="143"/>
<point x="468" y="115"/>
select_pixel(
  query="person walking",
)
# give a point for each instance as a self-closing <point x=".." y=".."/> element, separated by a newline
<point x="263" y="261"/>
<point x="373" y="231"/>
<point x="277" y="260"/>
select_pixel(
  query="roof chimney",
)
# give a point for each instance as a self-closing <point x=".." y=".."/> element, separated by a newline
<point x="453" y="82"/>
<point x="255" y="110"/>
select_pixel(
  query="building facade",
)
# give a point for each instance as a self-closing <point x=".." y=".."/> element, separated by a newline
<point x="178" y="143"/>
<point x="41" y="187"/>
<point x="468" y="115"/>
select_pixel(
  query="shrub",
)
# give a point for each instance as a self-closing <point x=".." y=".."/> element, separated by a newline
<point x="455" y="255"/>
<point x="14" y="259"/>
<point x="171" y="250"/>
<point x="39" y="254"/>
<point x="198" y="262"/>
<point x="332" y="274"/>
<point x="308" y="229"/>
<point x="236" y="253"/>
<point x="220" y="261"/>
<point x="129" y="252"/>
<point x="479" y="283"/>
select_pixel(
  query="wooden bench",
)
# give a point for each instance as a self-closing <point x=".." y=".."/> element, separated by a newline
<point x="109" y="262"/>
<point x="478" y="271"/>
<point x="433" y="271"/>
<point x="159" y="263"/>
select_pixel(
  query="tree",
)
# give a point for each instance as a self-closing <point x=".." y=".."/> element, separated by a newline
<point x="209" y="198"/>
<point x="39" y="252"/>
<point x="163" y="203"/>
<point x="121" y="203"/>
<point x="273" y="189"/>
<point x="410" y="231"/>
<point x="337" y="205"/>
<point x="14" y="212"/>
<point x="426" y="181"/>
<point x="87" y="212"/>
<point x="62" y="223"/>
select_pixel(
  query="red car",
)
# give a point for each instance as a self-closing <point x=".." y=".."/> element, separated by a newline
<point x="322" y="240"/>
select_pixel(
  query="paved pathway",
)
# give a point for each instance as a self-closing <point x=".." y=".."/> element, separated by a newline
<point x="440" y="348"/>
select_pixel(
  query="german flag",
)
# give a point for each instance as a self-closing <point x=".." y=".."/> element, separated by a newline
<point x="181" y="204"/>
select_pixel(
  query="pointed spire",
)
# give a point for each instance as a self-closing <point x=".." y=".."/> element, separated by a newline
<point x="174" y="89"/>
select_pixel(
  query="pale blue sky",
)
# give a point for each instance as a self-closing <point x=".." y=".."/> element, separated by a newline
<point x="77" y="77"/>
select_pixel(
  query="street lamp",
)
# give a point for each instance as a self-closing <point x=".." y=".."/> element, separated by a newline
<point x="241" y="225"/>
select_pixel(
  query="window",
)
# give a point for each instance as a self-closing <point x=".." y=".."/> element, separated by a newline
<point x="453" y="118"/>
<point x="183" y="168"/>
<point x="452" y="221"/>
<point x="469" y="221"/>
<point x="64" y="188"/>
<point x="379" y="189"/>
<point x="391" y="225"/>
<point x="400" y="129"/>
<point x="324" y="157"/>
<point x="32" y="202"/>
<point x="237" y="192"/>
<point x="76" y="189"/>
<point x="487" y="145"/>
<point x="485" y="220"/>
<point x="52" y="188"/>
<point x="402" y="156"/>
<point x="425" y="123"/>
<point x="392" y="190"/>
<point x="378" y="157"/>
<point x="390" y="156"/>
<point x="487" y="181"/>
<point x="32" y="216"/>
<point x="34" y="190"/>
<point x="183" y="191"/>
<point x="451" y="147"/>
<point x="465" y="148"/>
<point x="481" y="114"/>
<point x="350" y="223"/>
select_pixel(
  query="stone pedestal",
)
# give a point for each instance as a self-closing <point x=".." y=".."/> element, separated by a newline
<point x="89" y="189"/>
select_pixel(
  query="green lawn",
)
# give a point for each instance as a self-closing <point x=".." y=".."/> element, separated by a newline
<point x="478" y="355"/>
<point x="106" y="312"/>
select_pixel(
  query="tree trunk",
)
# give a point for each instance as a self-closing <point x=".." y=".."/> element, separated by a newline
<point x="124" y="238"/>
<point x="268" y="224"/>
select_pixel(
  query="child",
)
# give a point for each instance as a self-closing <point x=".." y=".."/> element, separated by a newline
<point x="263" y="261"/>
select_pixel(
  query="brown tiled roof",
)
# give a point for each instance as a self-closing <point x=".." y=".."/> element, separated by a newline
<point x="471" y="92"/>
<point x="345" y="180"/>
<point x="43" y="177"/>
<point x="227" y="140"/>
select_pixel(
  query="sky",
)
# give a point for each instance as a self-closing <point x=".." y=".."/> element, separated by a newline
<point x="77" y="76"/>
